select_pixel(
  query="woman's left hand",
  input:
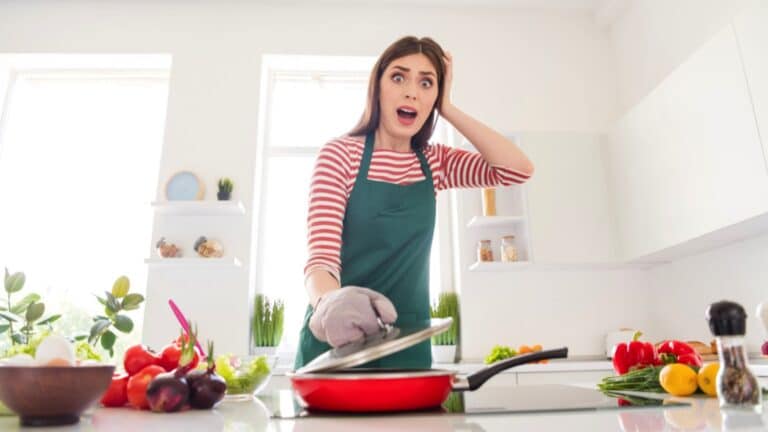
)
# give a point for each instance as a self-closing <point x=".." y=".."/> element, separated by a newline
<point x="447" y="82"/>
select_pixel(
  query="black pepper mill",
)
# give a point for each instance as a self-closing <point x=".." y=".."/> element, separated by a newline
<point x="737" y="387"/>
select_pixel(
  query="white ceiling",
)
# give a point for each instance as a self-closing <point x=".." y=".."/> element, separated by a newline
<point x="603" y="11"/>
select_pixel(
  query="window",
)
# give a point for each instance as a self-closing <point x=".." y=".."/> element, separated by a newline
<point x="307" y="101"/>
<point x="79" y="158"/>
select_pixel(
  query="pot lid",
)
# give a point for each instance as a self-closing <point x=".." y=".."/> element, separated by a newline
<point x="375" y="346"/>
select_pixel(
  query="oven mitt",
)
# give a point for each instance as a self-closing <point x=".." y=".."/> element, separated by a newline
<point x="349" y="313"/>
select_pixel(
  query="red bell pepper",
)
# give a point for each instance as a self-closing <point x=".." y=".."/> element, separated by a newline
<point x="633" y="355"/>
<point x="674" y="351"/>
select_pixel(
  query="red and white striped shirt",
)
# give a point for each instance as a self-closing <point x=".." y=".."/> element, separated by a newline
<point x="334" y="177"/>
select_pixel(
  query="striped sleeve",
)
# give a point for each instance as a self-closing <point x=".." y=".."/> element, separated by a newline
<point x="465" y="169"/>
<point x="328" y="196"/>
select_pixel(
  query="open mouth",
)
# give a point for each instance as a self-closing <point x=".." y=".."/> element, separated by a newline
<point x="406" y="113"/>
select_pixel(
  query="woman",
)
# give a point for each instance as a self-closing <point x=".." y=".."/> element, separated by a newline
<point x="372" y="203"/>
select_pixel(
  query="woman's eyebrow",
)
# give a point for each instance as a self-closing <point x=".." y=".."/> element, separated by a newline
<point x="405" y="69"/>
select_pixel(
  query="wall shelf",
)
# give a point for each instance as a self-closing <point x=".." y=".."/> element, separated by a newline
<point x="199" y="208"/>
<point x="494" y="221"/>
<point x="499" y="266"/>
<point x="193" y="262"/>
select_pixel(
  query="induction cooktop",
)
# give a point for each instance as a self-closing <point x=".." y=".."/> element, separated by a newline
<point x="286" y="404"/>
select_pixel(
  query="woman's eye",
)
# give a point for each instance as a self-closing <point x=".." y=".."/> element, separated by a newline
<point x="397" y="78"/>
<point x="427" y="83"/>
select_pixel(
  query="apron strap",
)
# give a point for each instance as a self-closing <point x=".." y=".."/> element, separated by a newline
<point x="365" y="162"/>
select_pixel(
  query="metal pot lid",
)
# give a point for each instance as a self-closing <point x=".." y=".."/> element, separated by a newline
<point x="375" y="346"/>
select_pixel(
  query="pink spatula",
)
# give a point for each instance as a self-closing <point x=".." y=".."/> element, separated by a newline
<point x="183" y="322"/>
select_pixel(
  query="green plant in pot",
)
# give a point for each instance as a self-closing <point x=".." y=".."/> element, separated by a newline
<point x="444" y="344"/>
<point x="267" y="324"/>
<point x="225" y="189"/>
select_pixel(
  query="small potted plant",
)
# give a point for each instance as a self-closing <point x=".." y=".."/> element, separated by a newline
<point x="267" y="324"/>
<point x="444" y="344"/>
<point x="225" y="189"/>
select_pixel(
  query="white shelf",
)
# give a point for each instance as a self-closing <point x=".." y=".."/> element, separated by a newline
<point x="199" y="208"/>
<point x="494" y="221"/>
<point x="499" y="266"/>
<point x="193" y="262"/>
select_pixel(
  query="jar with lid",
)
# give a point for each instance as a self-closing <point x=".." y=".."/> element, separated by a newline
<point x="737" y="387"/>
<point x="484" y="252"/>
<point x="508" y="249"/>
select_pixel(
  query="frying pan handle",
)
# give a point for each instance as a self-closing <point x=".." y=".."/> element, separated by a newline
<point x="480" y="377"/>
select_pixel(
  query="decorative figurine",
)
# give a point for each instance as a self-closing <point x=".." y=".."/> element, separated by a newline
<point x="208" y="248"/>
<point x="167" y="250"/>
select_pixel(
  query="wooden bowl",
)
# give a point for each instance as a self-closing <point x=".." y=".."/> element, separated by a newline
<point x="52" y="395"/>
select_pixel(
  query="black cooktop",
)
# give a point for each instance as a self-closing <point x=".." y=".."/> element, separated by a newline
<point x="489" y="400"/>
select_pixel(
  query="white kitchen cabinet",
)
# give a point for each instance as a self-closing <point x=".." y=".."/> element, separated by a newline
<point x="569" y="378"/>
<point x="752" y="34"/>
<point x="687" y="160"/>
<point x="571" y="217"/>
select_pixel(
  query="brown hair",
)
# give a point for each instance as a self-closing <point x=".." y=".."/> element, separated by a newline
<point x="405" y="46"/>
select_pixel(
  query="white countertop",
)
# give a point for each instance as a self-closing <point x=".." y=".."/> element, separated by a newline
<point x="253" y="416"/>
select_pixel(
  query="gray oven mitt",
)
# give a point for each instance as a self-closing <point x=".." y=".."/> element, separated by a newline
<point x="349" y="313"/>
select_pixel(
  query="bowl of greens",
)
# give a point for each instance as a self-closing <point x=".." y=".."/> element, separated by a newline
<point x="245" y="376"/>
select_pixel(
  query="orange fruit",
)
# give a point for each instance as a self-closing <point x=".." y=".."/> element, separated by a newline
<point x="707" y="378"/>
<point x="678" y="379"/>
<point x="524" y="349"/>
<point x="536" y="348"/>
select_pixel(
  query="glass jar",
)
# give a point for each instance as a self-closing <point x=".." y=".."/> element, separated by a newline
<point x="737" y="387"/>
<point x="484" y="252"/>
<point x="489" y="202"/>
<point x="508" y="250"/>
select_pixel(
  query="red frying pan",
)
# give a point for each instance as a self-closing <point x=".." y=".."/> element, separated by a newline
<point x="382" y="390"/>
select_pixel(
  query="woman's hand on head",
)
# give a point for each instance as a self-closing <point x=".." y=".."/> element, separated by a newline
<point x="447" y="83"/>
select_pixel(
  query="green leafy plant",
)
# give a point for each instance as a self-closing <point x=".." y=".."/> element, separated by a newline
<point x="267" y="321"/>
<point x="226" y="185"/>
<point x="26" y="313"/>
<point x="447" y="305"/>
<point x="115" y="303"/>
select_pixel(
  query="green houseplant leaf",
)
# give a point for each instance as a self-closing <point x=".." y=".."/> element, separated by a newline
<point x="98" y="328"/>
<point x="50" y="320"/>
<point x="35" y="311"/>
<point x="123" y="323"/>
<point x="14" y="282"/>
<point x="22" y="304"/>
<point x="132" y="301"/>
<point x="121" y="286"/>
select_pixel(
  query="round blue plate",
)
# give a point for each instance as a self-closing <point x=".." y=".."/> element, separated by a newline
<point x="184" y="185"/>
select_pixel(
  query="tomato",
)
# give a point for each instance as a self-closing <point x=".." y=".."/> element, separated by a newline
<point x="137" y="358"/>
<point x="137" y="386"/>
<point x="117" y="393"/>
<point x="169" y="357"/>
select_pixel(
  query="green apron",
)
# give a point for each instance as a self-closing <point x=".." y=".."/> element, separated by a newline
<point x="386" y="242"/>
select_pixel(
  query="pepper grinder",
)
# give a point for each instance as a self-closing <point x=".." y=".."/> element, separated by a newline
<point x="737" y="387"/>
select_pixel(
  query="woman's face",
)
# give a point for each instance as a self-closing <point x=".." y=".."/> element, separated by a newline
<point x="408" y="94"/>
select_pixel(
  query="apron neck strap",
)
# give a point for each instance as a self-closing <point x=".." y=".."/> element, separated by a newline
<point x="365" y="162"/>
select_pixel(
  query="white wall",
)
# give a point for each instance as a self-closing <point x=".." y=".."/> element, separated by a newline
<point x="682" y="290"/>
<point x="517" y="71"/>
<point x="651" y="39"/>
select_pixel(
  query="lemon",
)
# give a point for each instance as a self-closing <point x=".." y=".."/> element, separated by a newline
<point x="708" y="378"/>
<point x="678" y="379"/>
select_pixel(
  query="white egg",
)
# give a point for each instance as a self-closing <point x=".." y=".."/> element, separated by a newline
<point x="18" y="360"/>
<point x="55" y="347"/>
